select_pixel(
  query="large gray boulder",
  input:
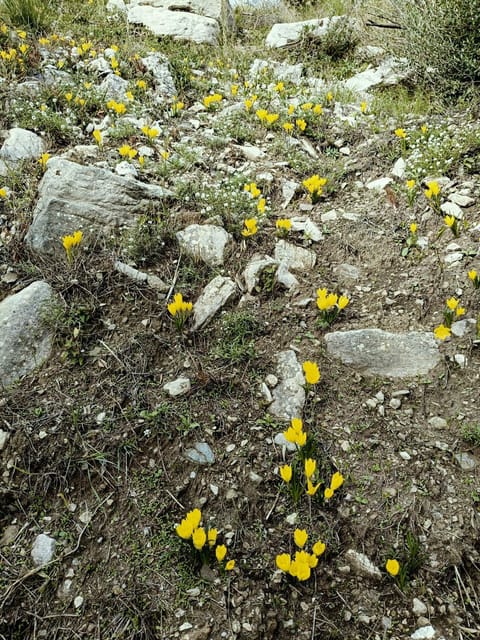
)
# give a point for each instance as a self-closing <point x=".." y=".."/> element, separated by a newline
<point x="284" y="34"/>
<point x="20" y="144"/>
<point x="206" y="242"/>
<point x="73" y="196"/>
<point x="25" y="342"/>
<point x="195" y="20"/>
<point x="377" y="352"/>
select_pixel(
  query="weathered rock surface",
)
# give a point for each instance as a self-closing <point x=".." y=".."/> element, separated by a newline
<point x="158" y="66"/>
<point x="285" y="33"/>
<point x="177" y="387"/>
<point x="19" y="145"/>
<point x="377" y="352"/>
<point x="72" y="196"/>
<point x="43" y="549"/>
<point x="362" y="565"/>
<point x="279" y="70"/>
<point x="24" y="343"/>
<point x="192" y="23"/>
<point x="215" y="295"/>
<point x="205" y="242"/>
<point x="289" y="394"/>
<point x="201" y="453"/>
<point x="294" y="257"/>
<point x="388" y="73"/>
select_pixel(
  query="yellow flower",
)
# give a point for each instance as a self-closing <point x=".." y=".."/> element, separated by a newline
<point x="300" y="570"/>
<point x="70" y="242"/>
<point x="141" y="84"/>
<point x="328" y="493"/>
<point x="129" y="95"/>
<point x="165" y="154"/>
<point x="230" y="565"/>
<point x="97" y="136"/>
<point x="472" y="275"/>
<point x="272" y="118"/>
<point x="126" y="151"/>
<point x="433" y="190"/>
<point x="319" y="548"/>
<point x="301" y="124"/>
<point x="300" y="536"/>
<point x="286" y="473"/>
<point x="410" y="184"/>
<point x="329" y="96"/>
<point x="363" y="107"/>
<point x="342" y="302"/>
<point x="288" y="126"/>
<point x="392" y="567"/>
<point x="283" y="561"/>
<point x="336" y="481"/>
<point x="220" y="552"/>
<point x="212" y="537"/>
<point x="261" y="114"/>
<point x="261" y="204"/>
<point x="3" y="192"/>
<point x="314" y="184"/>
<point x="317" y="110"/>
<point x="452" y="303"/>
<point x="279" y="87"/>
<point x="312" y="560"/>
<point x="310" y="467"/>
<point x="184" y="529"/>
<point x="291" y="109"/>
<point x="43" y="160"/>
<point x="181" y="308"/>
<point x="234" y="89"/>
<point x="424" y="128"/>
<point x="413" y="228"/>
<point x="459" y="311"/>
<point x="150" y="132"/>
<point x="312" y="488"/>
<point x="250" y="227"/>
<point x="441" y="332"/>
<point x="283" y="224"/>
<point x="307" y="106"/>
<point x="400" y="133"/>
<point x="312" y="374"/>
<point x="212" y="99"/>
<point x="199" y="538"/>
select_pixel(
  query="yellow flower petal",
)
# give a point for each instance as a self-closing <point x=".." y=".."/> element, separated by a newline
<point x="300" y="536"/>
<point x="392" y="567"/>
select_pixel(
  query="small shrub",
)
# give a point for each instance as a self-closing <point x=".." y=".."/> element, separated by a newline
<point x="28" y="14"/>
<point x="441" y="40"/>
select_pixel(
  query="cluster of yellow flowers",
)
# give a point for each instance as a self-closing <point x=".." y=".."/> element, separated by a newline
<point x="314" y="185"/>
<point x="452" y="310"/>
<point x="250" y="227"/>
<point x="295" y="432"/>
<point x="190" y="529"/>
<point x="150" y="132"/>
<point x="71" y="242"/>
<point x="301" y="565"/>
<point x="126" y="151"/>
<point x="44" y="158"/>
<point x="330" y="305"/>
<point x="283" y="226"/>
<point x="212" y="100"/>
<point x="118" y="107"/>
<point x="180" y="310"/>
<point x="265" y="117"/>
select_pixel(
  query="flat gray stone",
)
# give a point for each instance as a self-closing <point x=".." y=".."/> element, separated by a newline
<point x="177" y="387"/>
<point x="215" y="295"/>
<point x="362" y="565"/>
<point x="390" y="72"/>
<point x="140" y="276"/>
<point x="294" y="257"/>
<point x="216" y="9"/>
<point x="73" y="196"/>
<point x="289" y="394"/>
<point x="377" y="352"/>
<point x="308" y="226"/>
<point x="21" y="144"/>
<point x="43" y="549"/>
<point x="466" y="461"/>
<point x="180" y="25"/>
<point x="25" y="342"/>
<point x="200" y="453"/>
<point x="283" y="34"/>
<point x="278" y="70"/>
<point x="158" y="66"/>
<point x="254" y="269"/>
<point x="205" y="242"/>
<point x="424" y="633"/>
<point x="114" y="87"/>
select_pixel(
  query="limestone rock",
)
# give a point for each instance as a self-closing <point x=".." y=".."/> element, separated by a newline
<point x="72" y="196"/>
<point x="206" y="242"/>
<point x="114" y="87"/>
<point x="362" y="565"/>
<point x="294" y="257"/>
<point x="278" y="70"/>
<point x="20" y="144"/>
<point x="217" y="9"/>
<point x="180" y="25"/>
<point x="24" y="343"/>
<point x="157" y="64"/>
<point x="377" y="352"/>
<point x="177" y="387"/>
<point x="310" y="230"/>
<point x="390" y="72"/>
<point x="466" y="461"/>
<point x="254" y="268"/>
<point x="289" y="394"/>
<point x="424" y="633"/>
<point x="215" y="295"/>
<point x="43" y="549"/>
<point x="140" y="276"/>
<point x="200" y="453"/>
<point x="286" y="33"/>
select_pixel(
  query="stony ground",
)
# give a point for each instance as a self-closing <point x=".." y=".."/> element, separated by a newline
<point x="103" y="461"/>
